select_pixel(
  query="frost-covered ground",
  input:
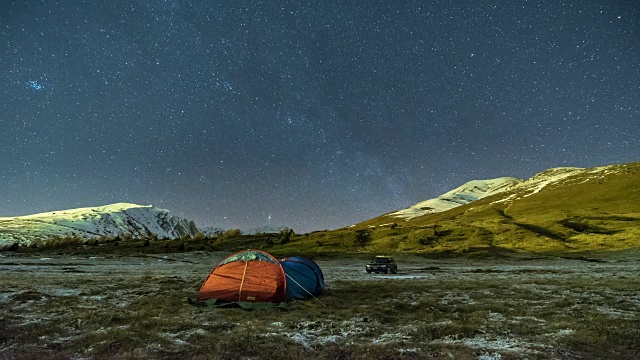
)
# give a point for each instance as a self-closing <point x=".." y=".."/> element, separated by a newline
<point x="135" y="307"/>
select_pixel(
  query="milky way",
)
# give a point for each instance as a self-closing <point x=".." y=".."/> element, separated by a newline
<point x="311" y="115"/>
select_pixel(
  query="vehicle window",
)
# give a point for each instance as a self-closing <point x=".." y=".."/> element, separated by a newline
<point x="381" y="261"/>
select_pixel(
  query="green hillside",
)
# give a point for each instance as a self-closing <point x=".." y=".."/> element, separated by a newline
<point x="561" y="212"/>
<point x="593" y="211"/>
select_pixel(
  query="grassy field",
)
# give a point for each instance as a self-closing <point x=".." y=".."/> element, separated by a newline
<point x="550" y="273"/>
<point x="60" y="307"/>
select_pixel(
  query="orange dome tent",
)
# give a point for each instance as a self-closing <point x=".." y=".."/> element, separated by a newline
<point x="246" y="276"/>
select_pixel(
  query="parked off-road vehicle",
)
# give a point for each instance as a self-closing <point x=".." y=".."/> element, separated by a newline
<point x="383" y="264"/>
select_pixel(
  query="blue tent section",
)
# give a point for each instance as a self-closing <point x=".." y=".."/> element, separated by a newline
<point x="303" y="276"/>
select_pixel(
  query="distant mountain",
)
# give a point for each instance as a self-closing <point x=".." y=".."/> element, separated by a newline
<point x="91" y="222"/>
<point x="266" y="229"/>
<point x="558" y="210"/>
<point x="465" y="194"/>
<point x="212" y="231"/>
<point x="505" y="191"/>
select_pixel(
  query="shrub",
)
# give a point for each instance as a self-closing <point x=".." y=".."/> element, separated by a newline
<point x="231" y="233"/>
<point x="426" y="241"/>
<point x="13" y="247"/>
<point x="362" y="237"/>
<point x="285" y="235"/>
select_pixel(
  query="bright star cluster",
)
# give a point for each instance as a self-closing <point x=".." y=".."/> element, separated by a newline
<point x="311" y="115"/>
<point x="35" y="85"/>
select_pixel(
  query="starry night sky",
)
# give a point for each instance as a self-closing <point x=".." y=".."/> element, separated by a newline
<point x="312" y="115"/>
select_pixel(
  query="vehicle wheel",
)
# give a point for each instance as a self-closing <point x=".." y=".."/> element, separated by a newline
<point x="395" y="271"/>
<point x="386" y="271"/>
<point x="368" y="271"/>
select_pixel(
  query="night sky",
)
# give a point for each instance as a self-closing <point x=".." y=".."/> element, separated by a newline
<point x="313" y="115"/>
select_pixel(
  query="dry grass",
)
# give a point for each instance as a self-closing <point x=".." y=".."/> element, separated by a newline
<point x="106" y="312"/>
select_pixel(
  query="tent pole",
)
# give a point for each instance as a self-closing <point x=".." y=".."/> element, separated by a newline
<point x="242" y="282"/>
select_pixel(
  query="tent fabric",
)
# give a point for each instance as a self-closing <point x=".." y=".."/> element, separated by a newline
<point x="256" y="276"/>
<point x="249" y="255"/>
<point x="304" y="278"/>
<point x="251" y="276"/>
<point x="309" y="262"/>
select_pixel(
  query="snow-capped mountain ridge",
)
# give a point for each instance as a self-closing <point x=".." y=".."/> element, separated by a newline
<point x="108" y="220"/>
<point x="465" y="194"/>
<point x="110" y="208"/>
<point x="515" y="188"/>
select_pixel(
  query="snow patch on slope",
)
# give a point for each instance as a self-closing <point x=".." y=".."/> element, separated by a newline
<point x="547" y="177"/>
<point x="557" y="176"/>
<point x="465" y="194"/>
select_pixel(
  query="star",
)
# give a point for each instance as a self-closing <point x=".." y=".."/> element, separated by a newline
<point x="317" y="115"/>
<point x="34" y="85"/>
